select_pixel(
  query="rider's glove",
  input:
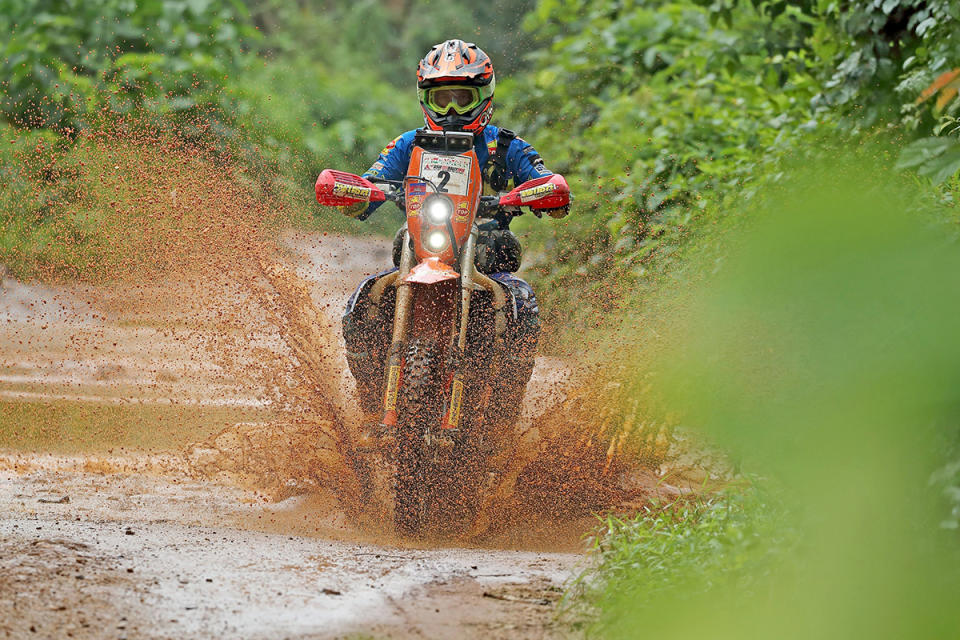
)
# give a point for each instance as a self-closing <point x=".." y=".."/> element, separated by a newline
<point x="354" y="210"/>
<point x="559" y="212"/>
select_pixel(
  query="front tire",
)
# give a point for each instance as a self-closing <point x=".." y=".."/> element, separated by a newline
<point x="418" y="409"/>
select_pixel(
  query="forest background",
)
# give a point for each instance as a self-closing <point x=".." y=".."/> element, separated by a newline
<point x="688" y="129"/>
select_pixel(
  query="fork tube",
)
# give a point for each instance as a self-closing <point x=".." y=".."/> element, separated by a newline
<point x="452" y="418"/>
<point x="401" y="322"/>
<point x="466" y="285"/>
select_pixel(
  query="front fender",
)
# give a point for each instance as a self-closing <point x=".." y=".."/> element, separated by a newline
<point x="430" y="271"/>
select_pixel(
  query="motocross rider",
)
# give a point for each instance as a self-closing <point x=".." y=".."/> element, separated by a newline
<point x="455" y="85"/>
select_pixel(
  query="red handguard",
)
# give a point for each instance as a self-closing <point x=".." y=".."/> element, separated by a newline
<point x="341" y="189"/>
<point x="548" y="192"/>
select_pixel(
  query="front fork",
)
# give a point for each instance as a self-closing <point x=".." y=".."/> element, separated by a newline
<point x="401" y="325"/>
<point x="455" y="359"/>
<point x="470" y="279"/>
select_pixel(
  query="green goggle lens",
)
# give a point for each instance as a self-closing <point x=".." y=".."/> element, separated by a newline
<point x="459" y="99"/>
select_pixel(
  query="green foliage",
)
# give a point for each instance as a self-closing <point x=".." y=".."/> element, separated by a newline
<point x="661" y="115"/>
<point x="936" y="158"/>
<point x="822" y="354"/>
<point x="64" y="58"/>
<point x="732" y="541"/>
<point x="387" y="39"/>
<point x="674" y="119"/>
<point x="669" y="114"/>
<point x="872" y="58"/>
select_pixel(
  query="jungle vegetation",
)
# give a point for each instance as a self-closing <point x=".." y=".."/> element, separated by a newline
<point x="788" y="167"/>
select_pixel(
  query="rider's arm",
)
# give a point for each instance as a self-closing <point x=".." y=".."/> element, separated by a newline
<point x="391" y="164"/>
<point x="524" y="163"/>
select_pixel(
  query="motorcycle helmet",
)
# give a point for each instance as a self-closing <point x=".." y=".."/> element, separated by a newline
<point x="455" y="84"/>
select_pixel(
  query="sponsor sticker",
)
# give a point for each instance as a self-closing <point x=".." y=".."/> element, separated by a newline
<point x="536" y="192"/>
<point x="393" y="386"/>
<point x="351" y="191"/>
<point x="413" y="204"/>
<point x="390" y="146"/>
<point x="456" y="399"/>
<point x="463" y="211"/>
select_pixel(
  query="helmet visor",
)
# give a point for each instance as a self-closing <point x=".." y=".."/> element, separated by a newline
<point x="461" y="99"/>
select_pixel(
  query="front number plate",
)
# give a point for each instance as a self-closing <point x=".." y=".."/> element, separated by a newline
<point x="450" y="174"/>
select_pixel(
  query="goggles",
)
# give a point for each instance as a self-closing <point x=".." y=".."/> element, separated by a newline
<point x="459" y="98"/>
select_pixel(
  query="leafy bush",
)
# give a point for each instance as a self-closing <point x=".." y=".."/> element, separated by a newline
<point x="821" y="353"/>
<point x="64" y="59"/>
<point x="668" y="114"/>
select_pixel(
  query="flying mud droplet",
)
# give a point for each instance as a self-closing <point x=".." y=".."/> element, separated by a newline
<point x="313" y="446"/>
<point x="563" y="463"/>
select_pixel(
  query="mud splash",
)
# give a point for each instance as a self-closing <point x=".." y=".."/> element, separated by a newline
<point x="191" y="299"/>
<point x="565" y="466"/>
<point x="314" y="444"/>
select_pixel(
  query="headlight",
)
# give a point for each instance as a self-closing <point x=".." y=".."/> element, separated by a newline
<point x="436" y="241"/>
<point x="438" y="209"/>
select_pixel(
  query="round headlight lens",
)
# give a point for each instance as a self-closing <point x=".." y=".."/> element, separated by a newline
<point x="436" y="241"/>
<point x="438" y="209"/>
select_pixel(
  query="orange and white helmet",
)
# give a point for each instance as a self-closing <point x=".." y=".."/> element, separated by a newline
<point x="455" y="84"/>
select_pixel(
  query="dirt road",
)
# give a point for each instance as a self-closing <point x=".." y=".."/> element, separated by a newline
<point x="140" y="555"/>
<point x="173" y="465"/>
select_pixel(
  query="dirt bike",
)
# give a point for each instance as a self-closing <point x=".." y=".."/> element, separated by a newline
<point x="449" y="320"/>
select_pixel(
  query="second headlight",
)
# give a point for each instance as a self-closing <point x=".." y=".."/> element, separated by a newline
<point x="436" y="241"/>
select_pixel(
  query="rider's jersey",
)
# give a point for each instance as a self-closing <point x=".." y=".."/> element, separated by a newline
<point x="522" y="162"/>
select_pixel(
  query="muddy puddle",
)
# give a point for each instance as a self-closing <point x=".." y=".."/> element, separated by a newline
<point x="188" y="447"/>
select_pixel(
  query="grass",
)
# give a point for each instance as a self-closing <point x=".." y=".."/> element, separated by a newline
<point x="686" y="549"/>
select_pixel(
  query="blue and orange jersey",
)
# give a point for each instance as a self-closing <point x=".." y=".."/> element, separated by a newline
<point x="522" y="160"/>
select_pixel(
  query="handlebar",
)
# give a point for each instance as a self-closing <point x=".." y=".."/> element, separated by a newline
<point x="341" y="189"/>
<point x="488" y="207"/>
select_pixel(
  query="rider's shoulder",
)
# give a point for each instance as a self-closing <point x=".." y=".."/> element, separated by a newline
<point x="519" y="146"/>
<point x="493" y="132"/>
<point x="403" y="141"/>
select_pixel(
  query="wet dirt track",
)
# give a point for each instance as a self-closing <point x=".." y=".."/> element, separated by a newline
<point x="142" y="556"/>
<point x="193" y="515"/>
